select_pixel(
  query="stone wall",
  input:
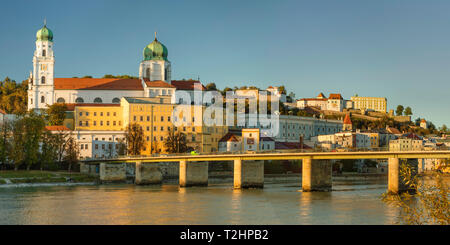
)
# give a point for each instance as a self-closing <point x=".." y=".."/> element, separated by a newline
<point x="113" y="172"/>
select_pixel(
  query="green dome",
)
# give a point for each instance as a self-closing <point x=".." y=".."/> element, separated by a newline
<point x="155" y="51"/>
<point x="44" y="34"/>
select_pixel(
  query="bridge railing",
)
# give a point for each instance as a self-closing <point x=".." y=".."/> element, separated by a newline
<point x="318" y="150"/>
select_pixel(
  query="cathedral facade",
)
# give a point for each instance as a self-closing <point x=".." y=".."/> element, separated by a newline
<point x="44" y="89"/>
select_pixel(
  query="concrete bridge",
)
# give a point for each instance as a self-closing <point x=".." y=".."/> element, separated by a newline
<point x="249" y="168"/>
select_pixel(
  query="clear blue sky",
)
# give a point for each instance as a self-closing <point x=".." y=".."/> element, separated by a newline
<point x="394" y="49"/>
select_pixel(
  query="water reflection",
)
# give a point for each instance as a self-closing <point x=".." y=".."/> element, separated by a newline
<point x="217" y="204"/>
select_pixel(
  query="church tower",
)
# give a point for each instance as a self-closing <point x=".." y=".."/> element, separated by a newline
<point x="40" y="82"/>
<point x="347" y="126"/>
<point x="155" y="66"/>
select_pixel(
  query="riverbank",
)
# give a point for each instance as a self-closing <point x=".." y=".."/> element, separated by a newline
<point x="9" y="177"/>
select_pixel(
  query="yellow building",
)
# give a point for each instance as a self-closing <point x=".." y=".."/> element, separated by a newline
<point x="155" y="116"/>
<point x="98" y="118"/>
<point x="370" y="103"/>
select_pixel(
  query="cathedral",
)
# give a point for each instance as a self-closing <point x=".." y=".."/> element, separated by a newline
<point x="45" y="89"/>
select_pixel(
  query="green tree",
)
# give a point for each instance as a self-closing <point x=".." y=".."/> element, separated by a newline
<point x="5" y="143"/>
<point x="27" y="133"/>
<point x="399" y="110"/>
<point x="134" y="134"/>
<point x="176" y="142"/>
<point x="48" y="154"/>
<point x="282" y="89"/>
<point x="408" y="111"/>
<point x="56" y="114"/>
<point x="211" y="87"/>
<point x="72" y="152"/>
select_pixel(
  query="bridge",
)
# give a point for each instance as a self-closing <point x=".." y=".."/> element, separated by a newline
<point x="249" y="167"/>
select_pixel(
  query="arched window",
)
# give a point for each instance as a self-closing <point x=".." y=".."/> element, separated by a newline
<point x="43" y="52"/>
<point x="60" y="100"/>
<point x="79" y="100"/>
<point x="42" y="99"/>
<point x="116" y="100"/>
<point x="42" y="80"/>
<point x="147" y="73"/>
<point x="97" y="100"/>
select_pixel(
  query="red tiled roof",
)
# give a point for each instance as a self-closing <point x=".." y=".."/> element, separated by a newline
<point x="71" y="106"/>
<point x="321" y="95"/>
<point x="229" y="137"/>
<point x="347" y="119"/>
<point x="158" y="84"/>
<point x="412" y="136"/>
<point x="57" y="128"/>
<point x="335" y="97"/>
<point x="97" y="84"/>
<point x="186" y="84"/>
<point x="423" y="121"/>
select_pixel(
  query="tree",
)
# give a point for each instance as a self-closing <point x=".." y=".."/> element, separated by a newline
<point x="429" y="205"/>
<point x="176" y="142"/>
<point x="399" y="110"/>
<point x="135" y="139"/>
<point x="56" y="114"/>
<point x="48" y="154"/>
<point x="121" y="148"/>
<point x="211" y="87"/>
<point x="72" y="152"/>
<point x="27" y="133"/>
<point x="5" y="144"/>
<point x="13" y="96"/>
<point x="60" y="140"/>
<point x="282" y="89"/>
<point x="408" y="111"/>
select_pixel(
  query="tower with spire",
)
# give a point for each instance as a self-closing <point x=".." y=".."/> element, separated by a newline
<point x="40" y="82"/>
<point x="155" y="65"/>
<point x="347" y="125"/>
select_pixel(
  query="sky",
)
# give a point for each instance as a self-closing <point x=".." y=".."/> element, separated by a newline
<point x="394" y="49"/>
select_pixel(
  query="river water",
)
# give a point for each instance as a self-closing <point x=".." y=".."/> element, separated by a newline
<point x="350" y="202"/>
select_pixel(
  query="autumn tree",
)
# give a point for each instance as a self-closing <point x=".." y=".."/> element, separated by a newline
<point x="56" y="114"/>
<point x="134" y="134"/>
<point x="176" y="142"/>
<point x="211" y="87"/>
<point x="429" y="204"/>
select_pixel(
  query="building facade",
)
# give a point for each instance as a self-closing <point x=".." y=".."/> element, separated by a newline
<point x="369" y="103"/>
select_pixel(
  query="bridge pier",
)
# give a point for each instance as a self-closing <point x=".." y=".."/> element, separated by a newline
<point x="248" y="174"/>
<point x="396" y="183"/>
<point x="147" y="173"/>
<point x="193" y="173"/>
<point x="316" y="175"/>
<point x="113" y="172"/>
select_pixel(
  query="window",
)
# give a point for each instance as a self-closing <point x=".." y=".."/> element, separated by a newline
<point x="148" y="118"/>
<point x="87" y="123"/>
<point x="79" y="100"/>
<point x="42" y="99"/>
<point x="162" y="128"/>
<point x="162" y="119"/>
<point x="96" y="146"/>
<point x="114" y="123"/>
<point x="134" y="118"/>
<point x="98" y="100"/>
<point x="116" y="100"/>
<point x="168" y="119"/>
<point x="141" y="118"/>
<point x="86" y="146"/>
<point x="81" y="113"/>
<point x="60" y="100"/>
<point x="114" y="114"/>
<point x="107" y="114"/>
<point x="44" y="52"/>
<point x="81" y="123"/>
<point x="95" y="123"/>
<point x="42" y="80"/>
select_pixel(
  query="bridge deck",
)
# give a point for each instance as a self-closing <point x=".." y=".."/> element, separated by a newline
<point x="283" y="156"/>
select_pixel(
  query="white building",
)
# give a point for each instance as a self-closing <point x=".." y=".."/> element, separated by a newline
<point x="406" y="144"/>
<point x="275" y="91"/>
<point x="45" y="89"/>
<point x="250" y="139"/>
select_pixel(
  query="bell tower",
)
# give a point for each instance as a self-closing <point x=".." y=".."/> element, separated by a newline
<point x="155" y="66"/>
<point x="40" y="82"/>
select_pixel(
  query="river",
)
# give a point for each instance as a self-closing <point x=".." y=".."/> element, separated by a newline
<point x="350" y="202"/>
